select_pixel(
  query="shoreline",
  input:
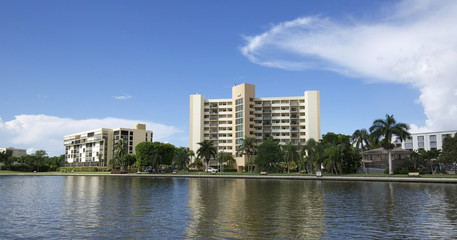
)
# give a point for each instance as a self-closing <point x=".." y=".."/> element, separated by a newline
<point x="278" y="177"/>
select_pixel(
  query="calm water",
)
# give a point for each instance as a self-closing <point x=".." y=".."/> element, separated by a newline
<point x="92" y="207"/>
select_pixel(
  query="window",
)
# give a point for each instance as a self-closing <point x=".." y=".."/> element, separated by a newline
<point x="239" y="114"/>
<point x="239" y="121"/>
<point x="239" y="128"/>
<point x="239" y="101"/>
<point x="239" y="134"/>
<point x="420" y="142"/>
<point x="433" y="141"/>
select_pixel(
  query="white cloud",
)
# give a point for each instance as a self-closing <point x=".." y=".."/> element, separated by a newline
<point x="123" y="97"/>
<point x="47" y="132"/>
<point x="415" y="44"/>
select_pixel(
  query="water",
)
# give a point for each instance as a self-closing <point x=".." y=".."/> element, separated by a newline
<point x="94" y="207"/>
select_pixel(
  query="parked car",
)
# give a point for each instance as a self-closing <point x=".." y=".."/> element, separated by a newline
<point x="149" y="170"/>
<point x="210" y="169"/>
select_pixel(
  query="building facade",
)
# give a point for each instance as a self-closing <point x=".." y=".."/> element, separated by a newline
<point x="14" y="151"/>
<point x="97" y="146"/>
<point x="426" y="141"/>
<point x="226" y="122"/>
<point x="377" y="160"/>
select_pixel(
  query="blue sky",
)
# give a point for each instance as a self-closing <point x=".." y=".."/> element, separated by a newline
<point x="69" y="66"/>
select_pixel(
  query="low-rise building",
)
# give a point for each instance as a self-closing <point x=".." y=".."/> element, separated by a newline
<point x="97" y="146"/>
<point x="14" y="151"/>
<point x="377" y="160"/>
<point x="426" y="141"/>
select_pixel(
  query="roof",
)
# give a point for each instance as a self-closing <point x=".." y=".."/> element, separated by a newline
<point x="381" y="150"/>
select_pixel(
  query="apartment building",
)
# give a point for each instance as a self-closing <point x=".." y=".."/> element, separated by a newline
<point x="91" y="147"/>
<point x="226" y="122"/>
<point x="426" y="141"/>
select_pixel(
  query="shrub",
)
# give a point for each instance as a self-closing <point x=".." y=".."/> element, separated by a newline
<point x="229" y="169"/>
<point x="83" y="169"/>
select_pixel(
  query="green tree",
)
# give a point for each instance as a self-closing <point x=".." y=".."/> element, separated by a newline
<point x="223" y="157"/>
<point x="144" y="152"/>
<point x="431" y="156"/>
<point x="166" y="152"/>
<point x="269" y="155"/>
<point x="206" y="151"/>
<point x="182" y="158"/>
<point x="449" y="150"/>
<point x="130" y="160"/>
<point x="310" y="149"/>
<point x="385" y="129"/>
<point x="360" y="140"/>
<point x="154" y="154"/>
<point x="40" y="154"/>
<point x="120" y="150"/>
<point x="248" y="148"/>
<point x="290" y="154"/>
<point x="338" y="154"/>
<point x="415" y="158"/>
<point x="4" y="157"/>
<point x="197" y="163"/>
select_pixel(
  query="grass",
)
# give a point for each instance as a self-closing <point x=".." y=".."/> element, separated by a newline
<point x="50" y="173"/>
<point x="247" y="174"/>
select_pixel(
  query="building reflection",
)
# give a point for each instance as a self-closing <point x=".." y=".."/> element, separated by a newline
<point x="243" y="208"/>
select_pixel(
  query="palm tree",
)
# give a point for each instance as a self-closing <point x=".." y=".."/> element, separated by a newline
<point x="359" y="137"/>
<point x="223" y="157"/>
<point x="386" y="129"/>
<point x="310" y="149"/>
<point x="206" y="151"/>
<point x="120" y="149"/>
<point x="290" y="154"/>
<point x="248" y="148"/>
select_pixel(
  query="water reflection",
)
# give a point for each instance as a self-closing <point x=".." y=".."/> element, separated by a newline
<point x="105" y="207"/>
<point x="226" y="208"/>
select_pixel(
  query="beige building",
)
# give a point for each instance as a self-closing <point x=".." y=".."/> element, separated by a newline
<point x="226" y="122"/>
<point x="93" y="146"/>
<point x="14" y="151"/>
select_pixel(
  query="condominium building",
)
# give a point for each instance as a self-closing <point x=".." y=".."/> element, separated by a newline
<point x="96" y="145"/>
<point x="226" y="122"/>
<point x="14" y="151"/>
<point x="426" y="141"/>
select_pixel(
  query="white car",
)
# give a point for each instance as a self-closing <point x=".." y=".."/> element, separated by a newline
<point x="210" y="169"/>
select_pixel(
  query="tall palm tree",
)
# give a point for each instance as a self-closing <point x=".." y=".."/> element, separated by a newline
<point x="223" y="157"/>
<point x="248" y="148"/>
<point x="290" y="153"/>
<point x="120" y="149"/>
<point x="359" y="137"/>
<point x="310" y="149"/>
<point x="206" y="151"/>
<point x="385" y="129"/>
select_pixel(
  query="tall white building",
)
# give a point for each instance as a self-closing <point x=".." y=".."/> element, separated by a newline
<point x="226" y="122"/>
<point x="426" y="141"/>
<point x="96" y="145"/>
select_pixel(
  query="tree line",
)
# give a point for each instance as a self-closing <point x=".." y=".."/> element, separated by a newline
<point x="334" y="153"/>
<point x="38" y="161"/>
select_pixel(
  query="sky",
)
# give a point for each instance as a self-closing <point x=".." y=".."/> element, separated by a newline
<point x="72" y="66"/>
